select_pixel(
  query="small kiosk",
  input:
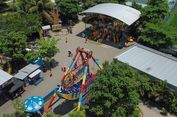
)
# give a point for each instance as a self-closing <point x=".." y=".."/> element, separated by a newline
<point x="34" y="77"/>
<point x="30" y="74"/>
<point x="45" y="30"/>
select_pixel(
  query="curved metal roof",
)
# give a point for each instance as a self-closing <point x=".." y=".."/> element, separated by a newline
<point x="123" y="13"/>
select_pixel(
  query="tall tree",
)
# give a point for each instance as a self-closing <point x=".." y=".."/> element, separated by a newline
<point x="69" y="9"/>
<point x="19" y="110"/>
<point x="114" y="94"/>
<point x="155" y="11"/>
<point x="13" y="44"/>
<point x="48" y="48"/>
<point x="27" y="23"/>
<point x="40" y="7"/>
<point x="173" y="19"/>
<point x="77" y="113"/>
<point x="31" y="56"/>
<point x="158" y="36"/>
<point x="90" y="3"/>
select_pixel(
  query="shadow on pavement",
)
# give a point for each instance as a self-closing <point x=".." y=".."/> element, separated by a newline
<point x="54" y="63"/>
<point x="65" y="107"/>
<point x="3" y="100"/>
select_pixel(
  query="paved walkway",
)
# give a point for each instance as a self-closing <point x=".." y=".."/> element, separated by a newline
<point x="100" y="51"/>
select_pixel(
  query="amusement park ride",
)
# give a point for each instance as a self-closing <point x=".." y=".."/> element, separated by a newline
<point x="76" y="79"/>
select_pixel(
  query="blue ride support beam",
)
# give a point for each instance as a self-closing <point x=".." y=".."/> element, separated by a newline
<point x="82" y="88"/>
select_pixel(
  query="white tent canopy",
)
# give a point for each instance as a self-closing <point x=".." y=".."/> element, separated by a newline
<point x="123" y="13"/>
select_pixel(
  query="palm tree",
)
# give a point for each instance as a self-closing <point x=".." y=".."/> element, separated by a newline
<point x="41" y="7"/>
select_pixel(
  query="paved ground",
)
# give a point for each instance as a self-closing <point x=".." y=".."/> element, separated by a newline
<point x="100" y="51"/>
<point x="151" y="111"/>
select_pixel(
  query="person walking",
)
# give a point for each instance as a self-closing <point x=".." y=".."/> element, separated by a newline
<point x="69" y="53"/>
<point x="51" y="73"/>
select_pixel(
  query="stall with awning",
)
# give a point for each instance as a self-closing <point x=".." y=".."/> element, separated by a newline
<point x="5" y="78"/>
<point x="34" y="77"/>
<point x="29" y="74"/>
<point x="17" y="88"/>
<point x="17" y="84"/>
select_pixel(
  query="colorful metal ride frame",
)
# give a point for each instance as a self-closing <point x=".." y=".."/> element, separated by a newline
<point x="77" y="78"/>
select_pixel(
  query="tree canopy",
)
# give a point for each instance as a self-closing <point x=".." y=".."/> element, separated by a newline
<point x="69" y="9"/>
<point x="48" y="48"/>
<point x="155" y="11"/>
<point x="3" y="6"/>
<point x="90" y="3"/>
<point x="19" y="110"/>
<point x="15" y="22"/>
<point x="31" y="56"/>
<point x="173" y="19"/>
<point x="118" y="88"/>
<point x="77" y="113"/>
<point x="158" y="35"/>
<point x="13" y="44"/>
<point x="43" y="8"/>
<point x="156" y="32"/>
<point x="114" y="92"/>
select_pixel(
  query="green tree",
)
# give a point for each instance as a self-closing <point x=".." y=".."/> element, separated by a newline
<point x="90" y="3"/>
<point x="19" y="110"/>
<point x="114" y="92"/>
<point x="48" y="48"/>
<point x="23" y="6"/>
<point x="3" y="6"/>
<point x="158" y="36"/>
<point x="173" y="19"/>
<point x="41" y="7"/>
<point x="136" y="5"/>
<point x="26" y="23"/>
<point x="13" y="44"/>
<point x="77" y="113"/>
<point x="155" y="11"/>
<point x="31" y="56"/>
<point x="69" y="9"/>
<point x="117" y="88"/>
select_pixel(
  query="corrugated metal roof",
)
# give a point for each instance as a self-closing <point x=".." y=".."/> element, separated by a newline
<point x="152" y="62"/>
<point x="4" y="77"/>
<point x="29" y="68"/>
<point x="21" y="75"/>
